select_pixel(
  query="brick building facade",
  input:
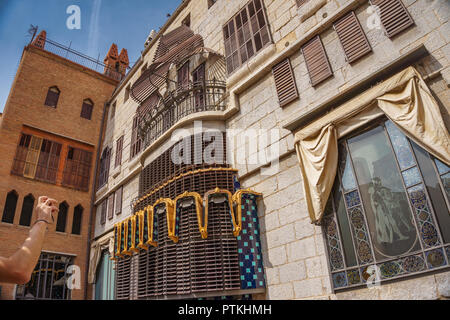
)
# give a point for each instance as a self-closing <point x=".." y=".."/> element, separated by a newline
<point x="49" y="134"/>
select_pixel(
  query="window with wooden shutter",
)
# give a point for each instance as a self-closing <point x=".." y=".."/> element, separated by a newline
<point x="32" y="157"/>
<point x="316" y="60"/>
<point x="245" y="35"/>
<point x="86" y="109"/>
<point x="119" y="147"/>
<point x="77" y="171"/>
<point x="394" y="16"/>
<point x="285" y="82"/>
<point x="136" y="141"/>
<point x="104" y="207"/>
<point x="105" y="162"/>
<point x="183" y="77"/>
<point x="198" y="78"/>
<point x="119" y="194"/>
<point x="52" y="97"/>
<point x="301" y="2"/>
<point x="48" y="162"/>
<point x="111" y="207"/>
<point x="352" y="37"/>
<point x="21" y="154"/>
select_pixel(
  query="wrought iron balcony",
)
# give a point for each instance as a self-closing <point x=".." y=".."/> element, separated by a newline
<point x="209" y="95"/>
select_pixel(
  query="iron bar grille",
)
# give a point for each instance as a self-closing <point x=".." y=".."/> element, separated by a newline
<point x="82" y="59"/>
<point x="164" y="169"/>
<point x="48" y="280"/>
<point x="186" y="100"/>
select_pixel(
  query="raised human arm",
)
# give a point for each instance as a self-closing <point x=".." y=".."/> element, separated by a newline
<point x="19" y="267"/>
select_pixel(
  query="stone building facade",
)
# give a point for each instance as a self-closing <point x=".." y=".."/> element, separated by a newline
<point x="314" y="36"/>
<point x="50" y="130"/>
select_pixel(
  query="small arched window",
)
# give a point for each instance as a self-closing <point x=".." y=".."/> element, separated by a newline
<point x="52" y="97"/>
<point x="62" y="217"/>
<point x="10" y="207"/>
<point x="77" y="217"/>
<point x="27" y="211"/>
<point x="87" y="108"/>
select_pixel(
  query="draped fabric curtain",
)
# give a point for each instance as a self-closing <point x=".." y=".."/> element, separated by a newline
<point x="104" y="243"/>
<point x="404" y="98"/>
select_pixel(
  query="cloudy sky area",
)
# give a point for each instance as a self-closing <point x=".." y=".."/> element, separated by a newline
<point x="126" y="23"/>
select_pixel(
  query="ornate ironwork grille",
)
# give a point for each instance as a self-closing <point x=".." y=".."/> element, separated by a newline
<point x="388" y="215"/>
<point x="49" y="279"/>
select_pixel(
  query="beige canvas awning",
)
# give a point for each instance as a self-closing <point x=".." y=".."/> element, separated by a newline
<point x="104" y="243"/>
<point x="404" y="98"/>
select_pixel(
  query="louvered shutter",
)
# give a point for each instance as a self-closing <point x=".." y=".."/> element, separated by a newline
<point x="394" y="16"/>
<point x="352" y="37"/>
<point x="183" y="76"/>
<point x="285" y="82"/>
<point x="119" y="194"/>
<point x="103" y="212"/>
<point x="316" y="60"/>
<point x="48" y="161"/>
<point x="111" y="206"/>
<point x="301" y="2"/>
<point x="119" y="147"/>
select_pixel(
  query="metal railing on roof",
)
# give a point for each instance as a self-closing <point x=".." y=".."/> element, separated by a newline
<point x="82" y="59"/>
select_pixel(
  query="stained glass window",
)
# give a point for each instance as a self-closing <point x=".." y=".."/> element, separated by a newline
<point x="388" y="214"/>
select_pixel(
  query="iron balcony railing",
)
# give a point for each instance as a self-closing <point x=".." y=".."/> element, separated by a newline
<point x="82" y="59"/>
<point x="191" y="98"/>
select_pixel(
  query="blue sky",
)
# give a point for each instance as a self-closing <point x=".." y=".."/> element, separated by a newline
<point x="124" y="22"/>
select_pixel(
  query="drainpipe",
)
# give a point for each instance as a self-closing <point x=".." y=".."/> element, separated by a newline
<point x="91" y="210"/>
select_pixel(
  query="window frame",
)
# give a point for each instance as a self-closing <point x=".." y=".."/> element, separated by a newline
<point x="87" y="109"/>
<point x="52" y="97"/>
<point x="251" y="40"/>
<point x="332" y="221"/>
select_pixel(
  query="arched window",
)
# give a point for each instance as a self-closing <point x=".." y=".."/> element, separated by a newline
<point x="62" y="217"/>
<point x="52" y="97"/>
<point x="10" y="207"/>
<point x="77" y="216"/>
<point x="86" y="109"/>
<point x="27" y="211"/>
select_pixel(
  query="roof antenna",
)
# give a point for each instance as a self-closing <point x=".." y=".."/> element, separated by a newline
<point x="32" y="32"/>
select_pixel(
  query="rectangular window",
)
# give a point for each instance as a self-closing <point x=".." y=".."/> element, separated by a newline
<point x="127" y="93"/>
<point x="285" y="82"/>
<point x="104" y="207"/>
<point x="316" y="60"/>
<point x="183" y="77"/>
<point x="37" y="158"/>
<point x="136" y="141"/>
<point x="245" y="35"/>
<point x="78" y="169"/>
<point x="86" y="109"/>
<point x="119" y="194"/>
<point x="119" y="147"/>
<point x="48" y="162"/>
<point x="48" y="280"/>
<point x="352" y="37"/>
<point x="105" y="163"/>
<point x="394" y="16"/>
<point x="198" y="79"/>
<point x="111" y="207"/>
